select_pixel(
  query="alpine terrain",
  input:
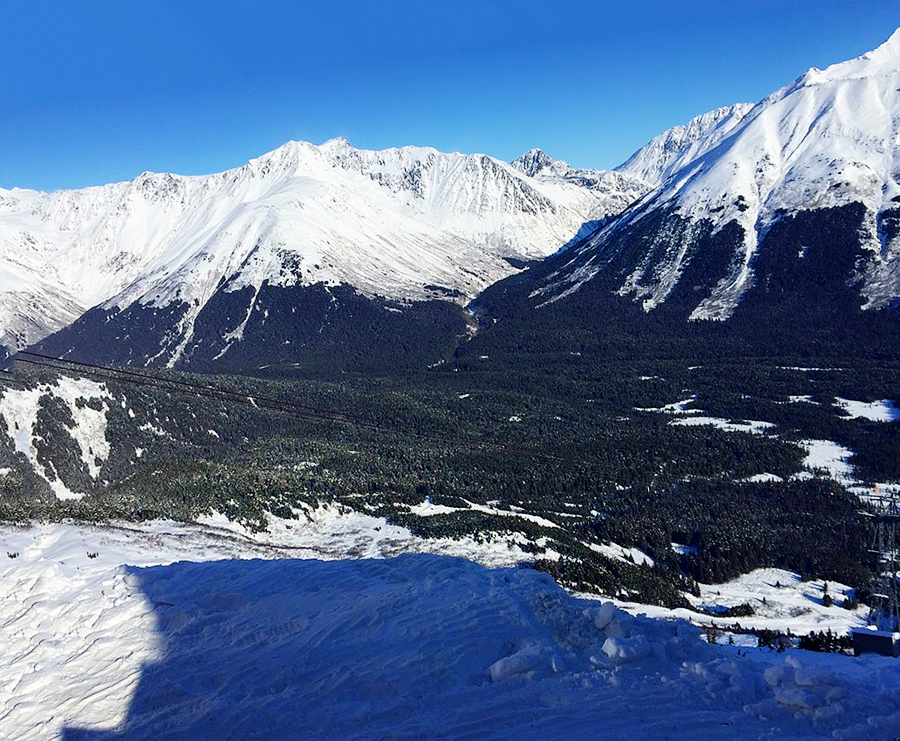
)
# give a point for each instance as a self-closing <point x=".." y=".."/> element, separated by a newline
<point x="305" y="255"/>
<point x="782" y="219"/>
<point x="352" y="444"/>
<point x="180" y="270"/>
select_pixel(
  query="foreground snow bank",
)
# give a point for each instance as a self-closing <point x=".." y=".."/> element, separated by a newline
<point x="410" y="646"/>
<point x="74" y="635"/>
<point x="417" y="646"/>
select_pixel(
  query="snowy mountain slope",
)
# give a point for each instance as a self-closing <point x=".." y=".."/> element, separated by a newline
<point x="72" y="249"/>
<point x="828" y="141"/>
<point x="646" y="169"/>
<point x="670" y="151"/>
<point x="25" y="413"/>
<point x="388" y="223"/>
<point x="391" y="224"/>
<point x="614" y="190"/>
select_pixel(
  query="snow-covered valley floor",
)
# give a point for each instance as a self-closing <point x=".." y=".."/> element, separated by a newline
<point x="172" y="631"/>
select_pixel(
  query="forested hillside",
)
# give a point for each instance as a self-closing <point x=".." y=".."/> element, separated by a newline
<point x="701" y="467"/>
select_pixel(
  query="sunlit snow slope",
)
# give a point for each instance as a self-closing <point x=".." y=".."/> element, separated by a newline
<point x="419" y="646"/>
<point x="828" y="141"/>
<point x="409" y="223"/>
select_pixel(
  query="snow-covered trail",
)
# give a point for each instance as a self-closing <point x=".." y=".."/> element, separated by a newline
<point x="228" y="645"/>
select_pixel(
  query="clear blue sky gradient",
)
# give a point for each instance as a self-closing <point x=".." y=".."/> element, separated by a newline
<point x="100" y="90"/>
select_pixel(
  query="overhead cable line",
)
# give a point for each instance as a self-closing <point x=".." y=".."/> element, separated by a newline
<point x="263" y="402"/>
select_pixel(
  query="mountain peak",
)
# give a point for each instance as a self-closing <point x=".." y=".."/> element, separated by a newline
<point x="534" y="161"/>
<point x="889" y="50"/>
<point x="883" y="60"/>
<point x="337" y="142"/>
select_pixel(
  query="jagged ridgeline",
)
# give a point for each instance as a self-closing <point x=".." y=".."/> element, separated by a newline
<point x="563" y="470"/>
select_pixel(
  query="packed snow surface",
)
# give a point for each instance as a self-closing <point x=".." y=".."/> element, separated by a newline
<point x="165" y="631"/>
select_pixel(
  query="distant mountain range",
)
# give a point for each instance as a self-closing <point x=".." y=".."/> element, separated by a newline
<point x="328" y="254"/>
<point x="407" y="224"/>
<point x="309" y="250"/>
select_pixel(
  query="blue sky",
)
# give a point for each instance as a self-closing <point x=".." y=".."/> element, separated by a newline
<point x="101" y="90"/>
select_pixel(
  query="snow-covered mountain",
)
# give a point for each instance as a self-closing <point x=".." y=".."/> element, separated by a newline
<point x="309" y="237"/>
<point x="614" y="190"/>
<point x="645" y="170"/>
<point x="404" y="224"/>
<point x="386" y="247"/>
<point x="802" y="187"/>
<point x="670" y="151"/>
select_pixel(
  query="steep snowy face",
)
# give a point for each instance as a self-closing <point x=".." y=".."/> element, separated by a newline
<point x="471" y="196"/>
<point x="670" y="151"/>
<point x="537" y="163"/>
<point x="828" y="140"/>
<point x="389" y="223"/>
<point x="63" y="252"/>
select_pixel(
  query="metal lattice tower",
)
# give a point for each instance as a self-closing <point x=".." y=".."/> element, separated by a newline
<point x="885" y="613"/>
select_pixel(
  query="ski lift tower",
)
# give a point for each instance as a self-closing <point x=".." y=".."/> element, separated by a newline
<point x="883" y="635"/>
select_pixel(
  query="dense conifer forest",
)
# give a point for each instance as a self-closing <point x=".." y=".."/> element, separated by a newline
<point x="563" y="458"/>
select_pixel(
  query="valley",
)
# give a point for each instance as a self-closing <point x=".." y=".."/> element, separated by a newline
<point x="710" y="470"/>
<point x="430" y="435"/>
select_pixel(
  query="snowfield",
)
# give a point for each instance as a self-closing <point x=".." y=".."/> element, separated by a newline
<point x="828" y="456"/>
<point x="780" y="599"/>
<point x="875" y="411"/>
<point x="176" y="631"/>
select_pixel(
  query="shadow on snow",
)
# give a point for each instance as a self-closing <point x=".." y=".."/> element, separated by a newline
<point x="361" y="649"/>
